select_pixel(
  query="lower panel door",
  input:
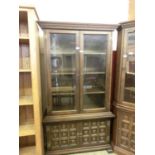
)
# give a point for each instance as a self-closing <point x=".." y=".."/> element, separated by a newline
<point x="64" y="135"/>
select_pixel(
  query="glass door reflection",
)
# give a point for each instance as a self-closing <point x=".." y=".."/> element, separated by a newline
<point x="63" y="71"/>
<point x="94" y="70"/>
<point x="129" y="86"/>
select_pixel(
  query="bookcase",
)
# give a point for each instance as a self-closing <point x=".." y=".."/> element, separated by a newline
<point x="30" y="130"/>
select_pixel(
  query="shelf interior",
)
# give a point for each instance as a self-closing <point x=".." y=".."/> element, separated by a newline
<point x="23" y="23"/>
<point x="26" y="115"/>
<point x="25" y="86"/>
<point x="24" y="56"/>
<point x="27" y="150"/>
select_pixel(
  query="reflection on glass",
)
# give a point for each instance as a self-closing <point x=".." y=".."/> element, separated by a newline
<point x="94" y="63"/>
<point x="63" y="66"/>
<point x="95" y="43"/>
<point x="129" y="87"/>
<point x="93" y="101"/>
<point x="63" y="42"/>
<point x="95" y="48"/>
<point x="63" y="63"/>
<point x="94" y="83"/>
<point x="63" y="102"/>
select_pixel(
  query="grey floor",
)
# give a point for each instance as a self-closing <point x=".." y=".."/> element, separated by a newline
<point x="95" y="153"/>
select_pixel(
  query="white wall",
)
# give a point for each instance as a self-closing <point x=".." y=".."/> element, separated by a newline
<point x="89" y="11"/>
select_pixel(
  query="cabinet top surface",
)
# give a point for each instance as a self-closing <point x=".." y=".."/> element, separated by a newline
<point x="127" y="24"/>
<point x="28" y="7"/>
<point x="77" y="26"/>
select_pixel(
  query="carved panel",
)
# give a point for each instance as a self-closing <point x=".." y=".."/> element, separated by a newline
<point x="79" y="133"/>
<point x="61" y="135"/>
<point x="95" y="132"/>
<point x="126" y="130"/>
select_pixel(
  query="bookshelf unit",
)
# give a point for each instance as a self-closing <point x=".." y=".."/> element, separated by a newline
<point x="30" y="129"/>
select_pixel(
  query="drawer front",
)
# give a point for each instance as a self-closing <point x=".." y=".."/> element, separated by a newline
<point x="126" y="130"/>
<point x="75" y="134"/>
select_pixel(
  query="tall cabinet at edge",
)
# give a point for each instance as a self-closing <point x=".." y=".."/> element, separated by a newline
<point x="124" y="104"/>
<point x="30" y="127"/>
<point x="76" y="62"/>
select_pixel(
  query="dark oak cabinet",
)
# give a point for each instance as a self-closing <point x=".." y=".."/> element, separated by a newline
<point x="76" y="62"/>
<point x="124" y="104"/>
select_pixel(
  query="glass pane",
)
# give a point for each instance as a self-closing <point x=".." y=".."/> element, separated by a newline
<point x="63" y="42"/>
<point x="95" y="43"/>
<point x="94" y="63"/>
<point x="63" y="67"/>
<point x="129" y="88"/>
<point x="95" y="48"/>
<point x="94" y="83"/>
<point x="94" y="101"/>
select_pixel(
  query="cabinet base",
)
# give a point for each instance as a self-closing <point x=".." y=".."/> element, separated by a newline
<point x="121" y="151"/>
<point x="80" y="149"/>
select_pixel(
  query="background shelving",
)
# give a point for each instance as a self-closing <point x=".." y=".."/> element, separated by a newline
<point x="30" y="130"/>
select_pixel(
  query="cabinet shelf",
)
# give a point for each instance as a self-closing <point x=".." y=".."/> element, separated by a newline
<point x="24" y="70"/>
<point x="62" y="53"/>
<point x="30" y="150"/>
<point x="94" y="92"/>
<point x="94" y="72"/>
<point x="26" y="130"/>
<point x="64" y="73"/>
<point x="131" y="73"/>
<point x="62" y="89"/>
<point x="23" y="39"/>
<point x="60" y="93"/>
<point x="94" y="53"/>
<point x="130" y="88"/>
<point x="25" y="100"/>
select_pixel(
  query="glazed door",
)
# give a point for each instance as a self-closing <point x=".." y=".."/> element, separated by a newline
<point x="63" y="71"/>
<point x="95" y="49"/>
<point x="128" y="74"/>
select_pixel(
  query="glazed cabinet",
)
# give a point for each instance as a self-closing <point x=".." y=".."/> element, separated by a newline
<point x="124" y="104"/>
<point x="76" y="86"/>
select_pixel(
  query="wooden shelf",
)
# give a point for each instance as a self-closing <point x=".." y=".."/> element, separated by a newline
<point x="94" y="73"/>
<point x="62" y="53"/>
<point x="94" y="53"/>
<point x="26" y="130"/>
<point x="131" y="73"/>
<point x="27" y="150"/>
<point x="62" y="89"/>
<point x="23" y="39"/>
<point x="25" y="100"/>
<point x="94" y="92"/>
<point x="63" y="73"/>
<point x="24" y="70"/>
<point x="130" y="88"/>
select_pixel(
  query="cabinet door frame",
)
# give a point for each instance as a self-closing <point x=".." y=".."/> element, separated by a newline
<point x="49" y="83"/>
<point x="123" y="67"/>
<point x="108" y="72"/>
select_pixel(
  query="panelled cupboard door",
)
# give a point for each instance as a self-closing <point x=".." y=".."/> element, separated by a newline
<point x="94" y="73"/>
<point x="128" y="68"/>
<point x="63" y="71"/>
<point x="78" y="71"/>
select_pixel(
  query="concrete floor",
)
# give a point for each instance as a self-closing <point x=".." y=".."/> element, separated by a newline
<point x="95" y="153"/>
